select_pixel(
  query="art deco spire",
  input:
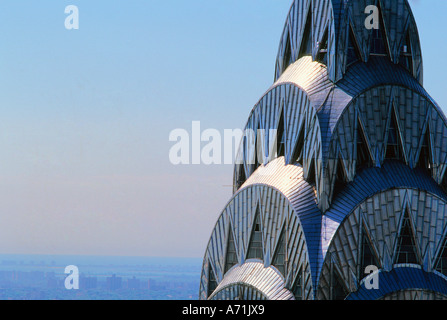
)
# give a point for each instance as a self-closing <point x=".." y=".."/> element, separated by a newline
<point x="356" y="172"/>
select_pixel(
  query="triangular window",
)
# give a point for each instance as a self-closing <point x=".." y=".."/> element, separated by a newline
<point x="287" y="53"/>
<point x="212" y="283"/>
<point x="441" y="264"/>
<point x="425" y="159"/>
<point x="377" y="43"/>
<point x="299" y="147"/>
<point x="231" y="256"/>
<point x="406" y="56"/>
<point x="241" y="178"/>
<point x="255" y="250"/>
<point x="311" y="179"/>
<point x="364" y="159"/>
<point x="281" y="137"/>
<point x="444" y="182"/>
<point x="279" y="259"/>
<point x="367" y="258"/>
<point x="340" y="177"/>
<point x="323" y="49"/>
<point x="258" y="160"/>
<point x="378" y="38"/>
<point x="339" y="291"/>
<point x="306" y="42"/>
<point x="394" y="150"/>
<point x="297" y="288"/>
<point x="353" y="49"/>
<point x="406" y="245"/>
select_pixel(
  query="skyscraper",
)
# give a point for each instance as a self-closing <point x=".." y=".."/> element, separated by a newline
<point x="342" y="171"/>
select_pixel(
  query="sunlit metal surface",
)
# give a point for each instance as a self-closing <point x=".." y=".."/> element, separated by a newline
<point x="267" y="281"/>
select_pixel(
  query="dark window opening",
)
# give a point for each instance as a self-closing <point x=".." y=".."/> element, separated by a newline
<point x="340" y="178"/>
<point x="241" y="178"/>
<point x="281" y="137"/>
<point x="368" y="258"/>
<point x="231" y="256"/>
<point x="339" y="291"/>
<point x="406" y="249"/>
<point x="441" y="265"/>
<point x="306" y="42"/>
<point x="323" y="50"/>
<point x="212" y="283"/>
<point x="406" y="56"/>
<point x="364" y="159"/>
<point x="394" y="150"/>
<point x="353" y="49"/>
<point x="379" y="39"/>
<point x="279" y="259"/>
<point x="299" y="148"/>
<point x="311" y="179"/>
<point x="255" y="250"/>
<point x="258" y="148"/>
<point x="287" y="53"/>
<point x="425" y="159"/>
<point x="444" y="182"/>
<point x="251" y="143"/>
<point x="297" y="288"/>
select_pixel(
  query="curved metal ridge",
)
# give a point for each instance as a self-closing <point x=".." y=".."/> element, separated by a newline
<point x="309" y="75"/>
<point x="330" y="23"/>
<point x="254" y="274"/>
<point x="402" y="277"/>
<point x="392" y="175"/>
<point x="289" y="180"/>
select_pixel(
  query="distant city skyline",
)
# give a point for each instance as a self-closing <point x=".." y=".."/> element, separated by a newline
<point x="84" y="131"/>
<point x="31" y="277"/>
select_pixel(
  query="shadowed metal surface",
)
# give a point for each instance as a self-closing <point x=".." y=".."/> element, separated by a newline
<point x="402" y="277"/>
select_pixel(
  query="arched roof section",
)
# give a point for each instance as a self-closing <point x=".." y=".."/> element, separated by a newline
<point x="252" y="280"/>
<point x="286" y="210"/>
<point x="403" y="278"/>
<point x="368" y="120"/>
<point x="334" y="32"/>
<point x="282" y="123"/>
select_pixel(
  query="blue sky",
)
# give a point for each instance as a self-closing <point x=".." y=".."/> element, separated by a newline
<point x="86" y="116"/>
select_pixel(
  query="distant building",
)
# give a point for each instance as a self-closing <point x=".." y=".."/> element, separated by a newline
<point x="87" y="283"/>
<point x="133" y="283"/>
<point x="7" y="275"/>
<point x="347" y="167"/>
<point x="54" y="283"/>
<point x="114" y="283"/>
